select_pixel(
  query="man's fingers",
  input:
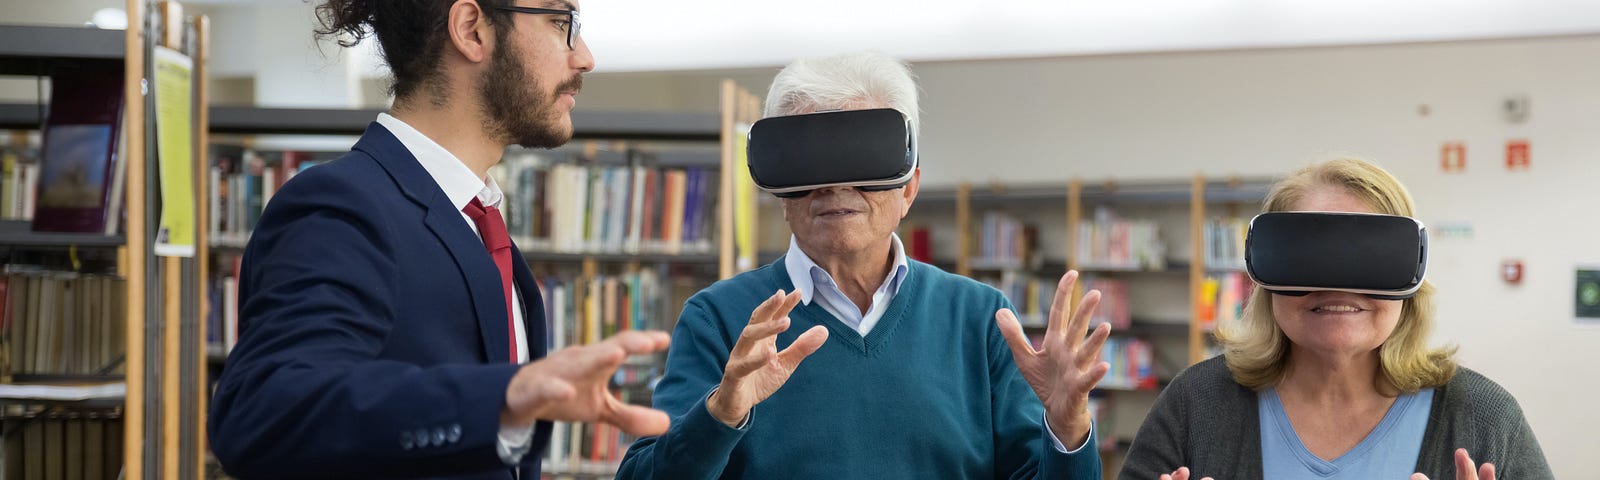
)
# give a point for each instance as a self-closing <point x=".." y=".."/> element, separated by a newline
<point x="786" y="303"/>
<point x="741" y="366"/>
<point x="603" y="357"/>
<point x="1418" y="476"/>
<point x="754" y="333"/>
<point x="1090" y="351"/>
<point x="807" y="344"/>
<point x="763" y="312"/>
<point x="1060" y="305"/>
<point x="1080" y="319"/>
<point x="1486" y="471"/>
<point x="637" y="342"/>
<point x="1096" y="374"/>
<point x="1181" y="474"/>
<point x="1011" y="329"/>
<point x="639" y="421"/>
<point x="551" y="389"/>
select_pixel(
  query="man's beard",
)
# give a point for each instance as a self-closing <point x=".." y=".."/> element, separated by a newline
<point x="526" y="116"/>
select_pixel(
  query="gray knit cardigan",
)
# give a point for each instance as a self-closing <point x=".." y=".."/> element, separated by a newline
<point x="1209" y="423"/>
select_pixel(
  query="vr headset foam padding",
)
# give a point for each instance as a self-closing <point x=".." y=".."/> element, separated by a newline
<point x="1295" y="253"/>
<point x="869" y="149"/>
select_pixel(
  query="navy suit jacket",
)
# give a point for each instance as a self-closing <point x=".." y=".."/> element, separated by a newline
<point x="373" y="338"/>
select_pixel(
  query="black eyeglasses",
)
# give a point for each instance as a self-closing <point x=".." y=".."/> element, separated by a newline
<point x="572" y="27"/>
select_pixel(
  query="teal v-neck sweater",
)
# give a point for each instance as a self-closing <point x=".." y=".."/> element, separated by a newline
<point x="930" y="393"/>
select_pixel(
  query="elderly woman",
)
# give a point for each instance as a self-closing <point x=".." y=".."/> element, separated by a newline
<point x="1333" y="384"/>
<point x="905" y="373"/>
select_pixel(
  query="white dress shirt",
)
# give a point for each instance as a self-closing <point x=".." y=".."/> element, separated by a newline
<point x="460" y="186"/>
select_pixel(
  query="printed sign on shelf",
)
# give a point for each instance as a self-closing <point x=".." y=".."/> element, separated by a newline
<point x="1453" y="157"/>
<point x="1517" y="157"/>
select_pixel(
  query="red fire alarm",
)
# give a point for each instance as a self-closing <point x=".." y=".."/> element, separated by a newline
<point x="1511" y="271"/>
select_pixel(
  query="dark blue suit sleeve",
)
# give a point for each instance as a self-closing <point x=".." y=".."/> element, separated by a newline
<point x="305" y="393"/>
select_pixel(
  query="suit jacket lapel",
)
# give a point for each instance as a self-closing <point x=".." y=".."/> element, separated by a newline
<point x="533" y="319"/>
<point x="446" y="223"/>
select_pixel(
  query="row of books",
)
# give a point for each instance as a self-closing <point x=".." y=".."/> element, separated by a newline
<point x="19" y="182"/>
<point x="1006" y="240"/>
<point x="1224" y="242"/>
<point x="61" y="323"/>
<point x="76" y="445"/>
<point x="242" y="180"/>
<point x="1032" y="297"/>
<point x="1114" y="306"/>
<point x="222" y="320"/>
<point x="1132" y="362"/>
<point x="1222" y="298"/>
<point x="581" y="312"/>
<point x="578" y="208"/>
<point x="1109" y="241"/>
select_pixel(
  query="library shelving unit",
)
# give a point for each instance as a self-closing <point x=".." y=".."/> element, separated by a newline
<point x="620" y="141"/>
<point x="111" y="306"/>
<point x="1027" y="236"/>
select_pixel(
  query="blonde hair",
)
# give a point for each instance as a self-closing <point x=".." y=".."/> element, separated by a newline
<point x="1257" y="351"/>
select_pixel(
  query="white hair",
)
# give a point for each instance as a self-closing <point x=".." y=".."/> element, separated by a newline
<point x="845" y="81"/>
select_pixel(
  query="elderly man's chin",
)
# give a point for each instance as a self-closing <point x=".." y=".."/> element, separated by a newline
<point x="843" y="240"/>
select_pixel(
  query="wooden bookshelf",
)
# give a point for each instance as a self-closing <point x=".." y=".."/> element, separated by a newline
<point x="158" y="418"/>
<point x="1176" y="340"/>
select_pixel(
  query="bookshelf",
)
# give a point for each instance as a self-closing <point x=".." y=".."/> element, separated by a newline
<point x="110" y="325"/>
<point x="1022" y="238"/>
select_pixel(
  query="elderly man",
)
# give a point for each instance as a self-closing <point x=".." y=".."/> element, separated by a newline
<point x="896" y="369"/>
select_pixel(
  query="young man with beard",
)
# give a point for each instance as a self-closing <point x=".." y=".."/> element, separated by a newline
<point x="389" y="328"/>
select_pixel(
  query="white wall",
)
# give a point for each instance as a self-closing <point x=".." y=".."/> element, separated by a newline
<point x="1169" y="116"/>
<point x="1265" y="112"/>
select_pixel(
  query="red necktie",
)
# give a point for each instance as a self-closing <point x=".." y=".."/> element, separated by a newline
<point x="493" y="230"/>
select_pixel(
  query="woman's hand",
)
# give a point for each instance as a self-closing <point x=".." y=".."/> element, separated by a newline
<point x="1465" y="470"/>
<point x="1182" y="473"/>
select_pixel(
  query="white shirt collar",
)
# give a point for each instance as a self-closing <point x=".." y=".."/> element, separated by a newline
<point x="459" y="183"/>
<point x="799" y="266"/>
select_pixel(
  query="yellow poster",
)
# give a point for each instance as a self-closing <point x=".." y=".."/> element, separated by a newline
<point x="175" y="236"/>
<point x="744" y="203"/>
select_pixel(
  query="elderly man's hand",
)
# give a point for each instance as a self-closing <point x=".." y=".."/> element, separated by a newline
<point x="756" y="369"/>
<point x="1067" y="365"/>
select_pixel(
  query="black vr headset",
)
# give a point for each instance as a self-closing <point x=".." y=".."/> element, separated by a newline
<point x="1296" y="253"/>
<point x="867" y="149"/>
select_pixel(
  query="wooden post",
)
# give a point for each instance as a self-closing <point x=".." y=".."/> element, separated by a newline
<point x="1197" y="266"/>
<point x="134" y="260"/>
<point x="730" y="105"/>
<point x="1074" y="215"/>
<point x="964" y="229"/>
<point x="172" y="27"/>
<point x="202" y="60"/>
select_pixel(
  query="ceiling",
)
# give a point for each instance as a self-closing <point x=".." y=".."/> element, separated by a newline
<point x="644" y="35"/>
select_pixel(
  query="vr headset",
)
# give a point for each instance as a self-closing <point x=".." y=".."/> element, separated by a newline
<point x="792" y="155"/>
<point x="1296" y="253"/>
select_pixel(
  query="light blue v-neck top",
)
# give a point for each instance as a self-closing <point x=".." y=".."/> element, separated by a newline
<point x="1390" y="451"/>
